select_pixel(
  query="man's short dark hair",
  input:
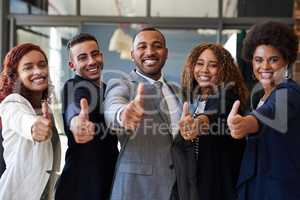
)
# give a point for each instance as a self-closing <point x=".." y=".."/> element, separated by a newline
<point x="150" y="29"/>
<point x="79" y="38"/>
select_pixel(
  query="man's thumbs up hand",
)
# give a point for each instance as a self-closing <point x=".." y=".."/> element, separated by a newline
<point x="82" y="129"/>
<point x="133" y="113"/>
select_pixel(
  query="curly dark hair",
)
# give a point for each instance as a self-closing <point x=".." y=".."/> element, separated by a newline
<point x="277" y="34"/>
<point x="228" y="73"/>
<point x="9" y="74"/>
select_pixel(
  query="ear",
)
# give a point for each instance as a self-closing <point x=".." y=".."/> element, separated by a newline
<point x="131" y="53"/>
<point x="71" y="65"/>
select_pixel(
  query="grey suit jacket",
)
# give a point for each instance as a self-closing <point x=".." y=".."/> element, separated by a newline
<point x="151" y="161"/>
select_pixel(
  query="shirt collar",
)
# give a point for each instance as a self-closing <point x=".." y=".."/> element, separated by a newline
<point x="150" y="80"/>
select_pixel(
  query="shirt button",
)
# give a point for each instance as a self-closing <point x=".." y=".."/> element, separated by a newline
<point x="171" y="166"/>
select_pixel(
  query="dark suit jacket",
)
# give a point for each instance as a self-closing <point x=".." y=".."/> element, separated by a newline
<point x="89" y="167"/>
<point x="220" y="155"/>
<point x="271" y="163"/>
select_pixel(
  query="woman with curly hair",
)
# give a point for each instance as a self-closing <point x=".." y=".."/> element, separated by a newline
<point x="211" y="82"/>
<point x="271" y="165"/>
<point x="31" y="143"/>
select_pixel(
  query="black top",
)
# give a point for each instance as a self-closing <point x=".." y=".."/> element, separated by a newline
<point x="89" y="168"/>
<point x="219" y="156"/>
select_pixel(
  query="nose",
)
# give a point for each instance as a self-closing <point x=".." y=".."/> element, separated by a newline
<point x="204" y="68"/>
<point x="265" y="65"/>
<point x="91" y="60"/>
<point x="150" y="50"/>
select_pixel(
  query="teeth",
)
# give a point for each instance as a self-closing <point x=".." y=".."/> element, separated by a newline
<point x="266" y="75"/>
<point x="150" y="62"/>
<point x="203" y="78"/>
<point x="38" y="80"/>
<point x="92" y="69"/>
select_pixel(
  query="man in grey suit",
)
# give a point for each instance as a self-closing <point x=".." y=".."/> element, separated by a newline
<point x="155" y="162"/>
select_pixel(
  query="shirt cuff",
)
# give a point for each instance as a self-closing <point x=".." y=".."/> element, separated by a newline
<point x="119" y="116"/>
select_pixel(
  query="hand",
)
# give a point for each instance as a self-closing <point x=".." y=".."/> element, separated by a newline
<point x="236" y="123"/>
<point x="202" y="122"/>
<point x="187" y="124"/>
<point x="41" y="130"/>
<point x="82" y="129"/>
<point x="133" y="113"/>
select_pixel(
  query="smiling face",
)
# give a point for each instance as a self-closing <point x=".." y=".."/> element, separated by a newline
<point x="87" y="60"/>
<point x="33" y="71"/>
<point x="149" y="53"/>
<point x="268" y="66"/>
<point x="206" y="69"/>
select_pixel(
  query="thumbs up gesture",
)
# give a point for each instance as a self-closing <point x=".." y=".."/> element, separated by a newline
<point x="41" y="130"/>
<point x="82" y="129"/>
<point x="236" y="122"/>
<point x="241" y="126"/>
<point x="133" y="113"/>
<point x="187" y="124"/>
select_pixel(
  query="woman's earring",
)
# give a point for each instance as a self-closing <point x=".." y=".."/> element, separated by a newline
<point x="286" y="73"/>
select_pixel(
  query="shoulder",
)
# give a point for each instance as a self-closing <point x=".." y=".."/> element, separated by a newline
<point x="15" y="98"/>
<point x="15" y="101"/>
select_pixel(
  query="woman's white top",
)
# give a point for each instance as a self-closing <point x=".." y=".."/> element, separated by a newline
<point x="27" y="161"/>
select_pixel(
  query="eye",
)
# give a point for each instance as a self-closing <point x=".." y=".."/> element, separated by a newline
<point x="158" y="45"/>
<point x="258" y="60"/>
<point x="82" y="57"/>
<point x="43" y="64"/>
<point x="141" y="47"/>
<point x="213" y="65"/>
<point x="199" y="63"/>
<point x="273" y="60"/>
<point x="27" y="67"/>
<point x="95" y="54"/>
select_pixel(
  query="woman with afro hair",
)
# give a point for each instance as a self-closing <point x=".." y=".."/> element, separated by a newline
<point x="271" y="166"/>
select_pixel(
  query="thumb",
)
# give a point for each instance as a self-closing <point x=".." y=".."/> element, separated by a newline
<point x="185" y="110"/>
<point x="45" y="109"/>
<point x="84" y="112"/>
<point x="235" y="109"/>
<point x="140" y="93"/>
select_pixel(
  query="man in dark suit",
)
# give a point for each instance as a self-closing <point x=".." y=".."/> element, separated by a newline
<point x="92" y="151"/>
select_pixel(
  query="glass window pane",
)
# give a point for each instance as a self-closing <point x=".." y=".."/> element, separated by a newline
<point x="266" y="8"/>
<point x="53" y="7"/>
<point x="128" y="8"/>
<point x="230" y="8"/>
<point x="187" y="8"/>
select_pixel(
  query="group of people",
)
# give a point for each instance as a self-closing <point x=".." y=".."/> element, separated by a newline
<point x="201" y="140"/>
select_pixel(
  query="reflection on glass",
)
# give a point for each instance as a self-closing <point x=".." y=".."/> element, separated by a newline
<point x="230" y="8"/>
<point x="179" y="8"/>
<point x="53" y="7"/>
<point x="129" y="8"/>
